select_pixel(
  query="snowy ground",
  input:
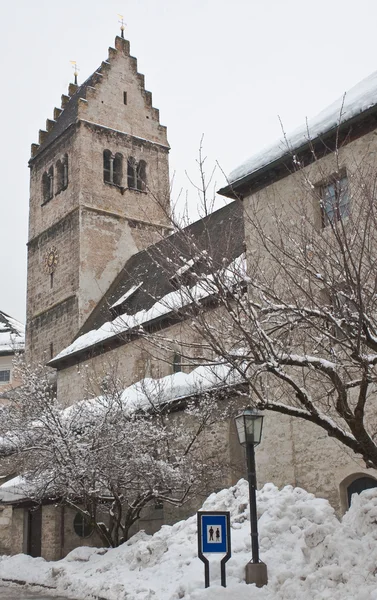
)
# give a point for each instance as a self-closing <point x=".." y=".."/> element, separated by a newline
<point x="309" y="553"/>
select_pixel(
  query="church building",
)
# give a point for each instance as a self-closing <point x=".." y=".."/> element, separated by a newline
<point x="99" y="249"/>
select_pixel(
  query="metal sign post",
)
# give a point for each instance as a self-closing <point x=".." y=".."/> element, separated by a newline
<point x="214" y="538"/>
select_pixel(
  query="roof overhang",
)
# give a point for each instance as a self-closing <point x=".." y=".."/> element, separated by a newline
<point x="308" y="153"/>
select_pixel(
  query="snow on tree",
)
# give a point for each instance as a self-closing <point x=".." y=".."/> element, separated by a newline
<point x="112" y="455"/>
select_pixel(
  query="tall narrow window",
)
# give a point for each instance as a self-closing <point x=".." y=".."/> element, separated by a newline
<point x="117" y="169"/>
<point x="51" y="182"/>
<point x="65" y="171"/>
<point x="45" y="187"/>
<point x="106" y="166"/>
<point x="141" y="176"/>
<point x="335" y="200"/>
<point x="177" y="363"/>
<point x="131" y="173"/>
<point x="62" y="174"/>
<point x="124" y="97"/>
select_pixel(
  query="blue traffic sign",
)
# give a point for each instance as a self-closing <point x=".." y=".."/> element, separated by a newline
<point x="214" y="538"/>
<point x="214" y="534"/>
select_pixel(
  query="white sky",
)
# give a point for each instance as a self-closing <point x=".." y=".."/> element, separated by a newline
<point x="225" y="69"/>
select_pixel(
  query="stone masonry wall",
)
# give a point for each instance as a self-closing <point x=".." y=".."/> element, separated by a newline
<point x="292" y="450"/>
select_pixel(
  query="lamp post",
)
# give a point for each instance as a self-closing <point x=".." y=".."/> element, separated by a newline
<point x="249" y="429"/>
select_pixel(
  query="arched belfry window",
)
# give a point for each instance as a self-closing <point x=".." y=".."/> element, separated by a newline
<point x="112" y="168"/>
<point x="117" y="169"/>
<point x="136" y="174"/>
<point x="132" y="173"/>
<point x="142" y="175"/>
<point x="62" y="174"/>
<point x="48" y="185"/>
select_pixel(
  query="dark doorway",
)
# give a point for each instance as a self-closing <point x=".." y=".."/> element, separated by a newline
<point x="34" y="531"/>
<point x="360" y="484"/>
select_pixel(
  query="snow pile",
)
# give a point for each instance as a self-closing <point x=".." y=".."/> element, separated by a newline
<point x="12" y="334"/>
<point x="357" y="100"/>
<point x="310" y="555"/>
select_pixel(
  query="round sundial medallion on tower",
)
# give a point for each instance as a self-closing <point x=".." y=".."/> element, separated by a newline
<point x="51" y="260"/>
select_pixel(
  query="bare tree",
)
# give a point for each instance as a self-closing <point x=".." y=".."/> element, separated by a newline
<point x="296" y="315"/>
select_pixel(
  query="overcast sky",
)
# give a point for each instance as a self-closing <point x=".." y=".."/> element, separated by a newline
<point x="225" y="69"/>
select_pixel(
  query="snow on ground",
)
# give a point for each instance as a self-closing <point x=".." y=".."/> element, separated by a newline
<point x="309" y="553"/>
<point x="357" y="100"/>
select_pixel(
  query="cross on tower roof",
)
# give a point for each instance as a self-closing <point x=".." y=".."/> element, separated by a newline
<point x="122" y="26"/>
<point x="76" y="69"/>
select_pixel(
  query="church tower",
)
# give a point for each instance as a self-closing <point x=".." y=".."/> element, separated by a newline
<point x="99" y="193"/>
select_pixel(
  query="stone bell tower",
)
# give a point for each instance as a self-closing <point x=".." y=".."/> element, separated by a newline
<point x="99" y="193"/>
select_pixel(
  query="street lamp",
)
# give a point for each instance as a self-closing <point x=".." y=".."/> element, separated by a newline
<point x="249" y="429"/>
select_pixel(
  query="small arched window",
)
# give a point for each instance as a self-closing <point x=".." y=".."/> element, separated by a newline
<point x="131" y="173"/>
<point x="177" y="363"/>
<point x="359" y="485"/>
<point x="142" y="176"/>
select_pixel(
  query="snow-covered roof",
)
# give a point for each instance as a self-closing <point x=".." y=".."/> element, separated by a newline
<point x="13" y="490"/>
<point x="358" y="99"/>
<point x="12" y="334"/>
<point x="144" y="290"/>
<point x="170" y="303"/>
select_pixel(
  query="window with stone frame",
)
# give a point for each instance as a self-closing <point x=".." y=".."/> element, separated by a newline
<point x="335" y="199"/>
<point x="5" y="376"/>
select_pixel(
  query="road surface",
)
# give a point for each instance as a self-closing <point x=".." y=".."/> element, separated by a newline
<point x="20" y="593"/>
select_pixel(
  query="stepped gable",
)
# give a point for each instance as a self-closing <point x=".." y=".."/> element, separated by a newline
<point x="220" y="234"/>
<point x="12" y="334"/>
<point x="68" y="114"/>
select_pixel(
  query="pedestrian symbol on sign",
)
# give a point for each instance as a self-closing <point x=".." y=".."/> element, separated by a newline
<point x="214" y="534"/>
